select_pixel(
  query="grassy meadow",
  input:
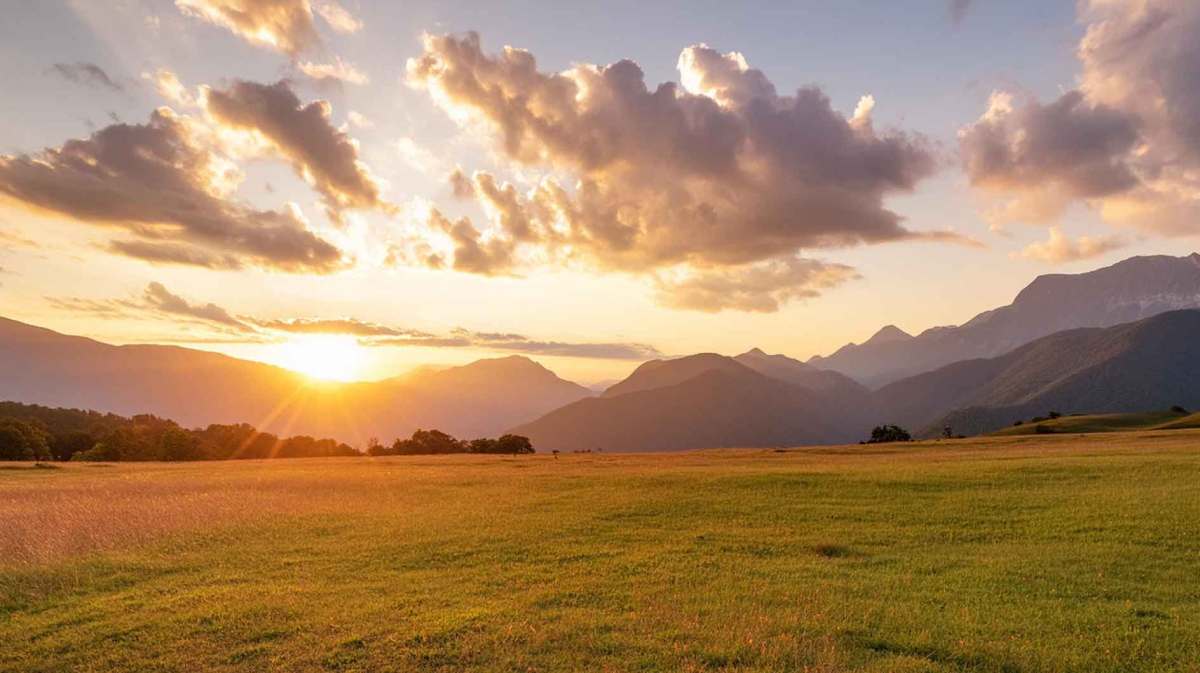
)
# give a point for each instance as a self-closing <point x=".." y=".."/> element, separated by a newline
<point x="1009" y="554"/>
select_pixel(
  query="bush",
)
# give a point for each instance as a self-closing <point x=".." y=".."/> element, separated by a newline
<point x="1055" y="414"/>
<point x="882" y="434"/>
<point x="1179" y="410"/>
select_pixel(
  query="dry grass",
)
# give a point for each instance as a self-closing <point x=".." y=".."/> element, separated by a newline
<point x="1058" y="553"/>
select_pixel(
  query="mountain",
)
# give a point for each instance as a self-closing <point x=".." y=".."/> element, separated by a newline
<point x="1151" y="364"/>
<point x="706" y="401"/>
<point x="721" y="407"/>
<point x="197" y="388"/>
<point x="1136" y="288"/>
<point x="793" y="371"/>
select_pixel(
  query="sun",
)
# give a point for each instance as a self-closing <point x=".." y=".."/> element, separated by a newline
<point x="322" y="356"/>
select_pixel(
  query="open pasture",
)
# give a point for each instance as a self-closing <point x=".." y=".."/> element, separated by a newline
<point x="1007" y="554"/>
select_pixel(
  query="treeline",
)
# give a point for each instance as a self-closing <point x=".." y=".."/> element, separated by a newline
<point x="430" y="442"/>
<point x="33" y="432"/>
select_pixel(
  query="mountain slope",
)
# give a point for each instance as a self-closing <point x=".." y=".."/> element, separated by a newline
<point x="720" y="407"/>
<point x="1149" y="364"/>
<point x="797" y="373"/>
<point x="197" y="388"/>
<point x="1130" y="290"/>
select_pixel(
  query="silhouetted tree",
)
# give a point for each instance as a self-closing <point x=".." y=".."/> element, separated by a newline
<point x="888" y="433"/>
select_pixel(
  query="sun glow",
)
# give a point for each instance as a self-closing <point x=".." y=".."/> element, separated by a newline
<point x="322" y="356"/>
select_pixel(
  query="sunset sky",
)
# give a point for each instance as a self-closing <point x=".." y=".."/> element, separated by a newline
<point x="392" y="184"/>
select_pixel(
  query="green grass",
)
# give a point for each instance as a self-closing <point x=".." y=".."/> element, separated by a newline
<point x="1086" y="423"/>
<point x="1013" y="555"/>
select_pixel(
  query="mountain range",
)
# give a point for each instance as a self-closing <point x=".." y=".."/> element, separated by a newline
<point x="196" y="388"/>
<point x="1109" y="340"/>
<point x="1130" y="290"/>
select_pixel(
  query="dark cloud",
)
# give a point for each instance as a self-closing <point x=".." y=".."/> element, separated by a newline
<point x="1125" y="141"/>
<point x="284" y="25"/>
<point x="86" y="73"/>
<point x="174" y="253"/>
<point x="305" y="135"/>
<point x="161" y="299"/>
<point x="762" y="287"/>
<point x="161" y="184"/>
<point x="1054" y="153"/>
<point x="721" y="171"/>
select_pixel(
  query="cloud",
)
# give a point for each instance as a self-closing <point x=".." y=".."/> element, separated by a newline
<point x="958" y="10"/>
<point x="339" y="71"/>
<point x="174" y="253"/>
<point x="350" y="326"/>
<point x="161" y="184"/>
<point x="303" y="133"/>
<point x="1047" y="156"/>
<point x="517" y="343"/>
<point x="721" y="171"/>
<point x="338" y="18"/>
<point x="359" y="120"/>
<point x="284" y="25"/>
<point x="1125" y="141"/>
<point x="88" y="74"/>
<point x="761" y="287"/>
<point x="1059" y="248"/>
<point x="160" y="298"/>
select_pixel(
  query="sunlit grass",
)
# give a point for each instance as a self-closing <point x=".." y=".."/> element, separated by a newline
<point x="1013" y="554"/>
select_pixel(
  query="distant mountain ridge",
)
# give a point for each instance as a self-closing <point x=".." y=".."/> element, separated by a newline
<point x="760" y="400"/>
<point x="196" y="388"/>
<point x="1136" y="288"/>
<point x="708" y="400"/>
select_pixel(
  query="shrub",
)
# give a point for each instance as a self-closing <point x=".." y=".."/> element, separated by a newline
<point x="1178" y="410"/>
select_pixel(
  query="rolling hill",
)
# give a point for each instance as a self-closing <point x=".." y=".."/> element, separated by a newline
<point x="1089" y="423"/>
<point x="1136" y="288"/>
<point x="198" y="387"/>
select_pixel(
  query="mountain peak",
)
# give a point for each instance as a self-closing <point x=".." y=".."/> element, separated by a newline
<point x="889" y="333"/>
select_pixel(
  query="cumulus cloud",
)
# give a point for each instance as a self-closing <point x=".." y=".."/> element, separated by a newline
<point x="760" y="287"/>
<point x="721" y="171"/>
<point x="88" y="74"/>
<point x="326" y="157"/>
<point x="1060" y="248"/>
<point x="288" y="26"/>
<point x="1049" y="155"/>
<point x="172" y="193"/>
<point x="1126" y="140"/>
<point x="338" y="71"/>
<point x="158" y="297"/>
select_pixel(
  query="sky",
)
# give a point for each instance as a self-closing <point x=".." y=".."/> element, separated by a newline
<point x="354" y="189"/>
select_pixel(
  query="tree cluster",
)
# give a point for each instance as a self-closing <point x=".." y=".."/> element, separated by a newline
<point x="429" y="442"/>
<point x="883" y="434"/>
<point x="32" y="432"/>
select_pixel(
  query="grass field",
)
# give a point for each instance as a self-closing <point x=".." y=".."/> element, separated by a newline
<point x="1091" y="423"/>
<point x="1014" y="554"/>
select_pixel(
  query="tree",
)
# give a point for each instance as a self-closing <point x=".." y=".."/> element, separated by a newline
<point x="882" y="434"/>
<point x="515" y="444"/>
<point x="23" y="440"/>
<point x="176" y="444"/>
<point x="67" y="444"/>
